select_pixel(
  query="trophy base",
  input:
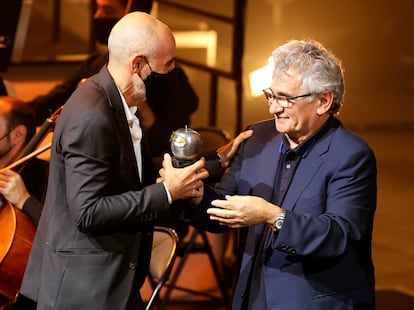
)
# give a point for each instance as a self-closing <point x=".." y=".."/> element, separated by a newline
<point x="181" y="163"/>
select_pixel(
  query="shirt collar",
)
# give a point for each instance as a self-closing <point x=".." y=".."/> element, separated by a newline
<point x="129" y="111"/>
<point x="303" y="148"/>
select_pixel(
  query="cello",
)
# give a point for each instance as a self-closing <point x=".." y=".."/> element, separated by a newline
<point x="15" y="244"/>
<point x="16" y="229"/>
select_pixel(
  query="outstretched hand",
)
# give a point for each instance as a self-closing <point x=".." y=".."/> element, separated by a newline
<point x="226" y="152"/>
<point x="241" y="211"/>
<point x="183" y="183"/>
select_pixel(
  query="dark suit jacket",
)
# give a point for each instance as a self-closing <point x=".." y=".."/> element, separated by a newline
<point x="321" y="258"/>
<point x="95" y="232"/>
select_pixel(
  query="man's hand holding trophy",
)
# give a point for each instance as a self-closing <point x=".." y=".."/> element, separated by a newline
<point x="183" y="173"/>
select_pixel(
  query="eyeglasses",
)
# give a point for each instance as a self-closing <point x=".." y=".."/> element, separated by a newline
<point x="6" y="134"/>
<point x="283" y="101"/>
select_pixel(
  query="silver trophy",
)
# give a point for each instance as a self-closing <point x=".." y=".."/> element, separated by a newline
<point x="185" y="146"/>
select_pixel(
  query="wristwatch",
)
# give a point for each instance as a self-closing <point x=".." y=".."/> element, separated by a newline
<point x="277" y="225"/>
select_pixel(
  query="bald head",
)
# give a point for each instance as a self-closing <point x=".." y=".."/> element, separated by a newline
<point x="139" y="33"/>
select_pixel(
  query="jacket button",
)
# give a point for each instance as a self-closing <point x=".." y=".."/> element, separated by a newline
<point x="132" y="266"/>
<point x="241" y="294"/>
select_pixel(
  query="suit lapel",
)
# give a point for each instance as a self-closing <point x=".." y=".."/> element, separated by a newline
<point x="306" y="172"/>
<point x="115" y="103"/>
<point x="261" y="169"/>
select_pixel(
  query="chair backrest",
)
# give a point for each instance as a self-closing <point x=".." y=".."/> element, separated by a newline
<point x="212" y="137"/>
<point x="162" y="259"/>
<point x="163" y="251"/>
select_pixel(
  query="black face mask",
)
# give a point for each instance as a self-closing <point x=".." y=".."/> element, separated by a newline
<point x="159" y="86"/>
<point x="103" y="27"/>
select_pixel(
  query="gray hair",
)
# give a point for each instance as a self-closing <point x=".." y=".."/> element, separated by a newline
<point x="320" y="69"/>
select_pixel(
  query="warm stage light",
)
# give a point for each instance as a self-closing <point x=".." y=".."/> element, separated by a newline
<point x="261" y="78"/>
<point x="199" y="39"/>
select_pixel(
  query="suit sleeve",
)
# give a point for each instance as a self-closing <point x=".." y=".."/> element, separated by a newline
<point x="197" y="215"/>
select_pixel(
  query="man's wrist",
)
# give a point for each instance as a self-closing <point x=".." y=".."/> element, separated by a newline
<point x="169" y="197"/>
<point x="278" y="223"/>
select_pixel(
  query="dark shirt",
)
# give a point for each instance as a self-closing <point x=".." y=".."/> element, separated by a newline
<point x="290" y="159"/>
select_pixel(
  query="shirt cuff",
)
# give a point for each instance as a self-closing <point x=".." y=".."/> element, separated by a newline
<point x="168" y="194"/>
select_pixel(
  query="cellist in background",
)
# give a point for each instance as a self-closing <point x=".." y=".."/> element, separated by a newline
<point x="26" y="189"/>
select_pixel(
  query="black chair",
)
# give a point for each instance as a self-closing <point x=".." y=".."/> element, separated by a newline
<point x="198" y="241"/>
<point x="163" y="253"/>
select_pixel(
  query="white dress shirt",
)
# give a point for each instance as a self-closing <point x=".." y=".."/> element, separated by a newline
<point x="136" y="136"/>
<point x="136" y="132"/>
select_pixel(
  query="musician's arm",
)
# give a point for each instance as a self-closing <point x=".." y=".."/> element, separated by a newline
<point x="32" y="208"/>
<point x="14" y="190"/>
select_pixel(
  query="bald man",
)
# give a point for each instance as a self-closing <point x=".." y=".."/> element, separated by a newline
<point x="93" y="243"/>
<point x="165" y="110"/>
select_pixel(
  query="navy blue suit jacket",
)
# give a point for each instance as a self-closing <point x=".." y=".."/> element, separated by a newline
<point x="321" y="258"/>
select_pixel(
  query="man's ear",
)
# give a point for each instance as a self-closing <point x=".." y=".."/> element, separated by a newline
<point x="325" y="102"/>
<point x="136" y="63"/>
<point x="18" y="134"/>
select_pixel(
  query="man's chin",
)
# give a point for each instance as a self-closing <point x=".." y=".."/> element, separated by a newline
<point x="281" y="124"/>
